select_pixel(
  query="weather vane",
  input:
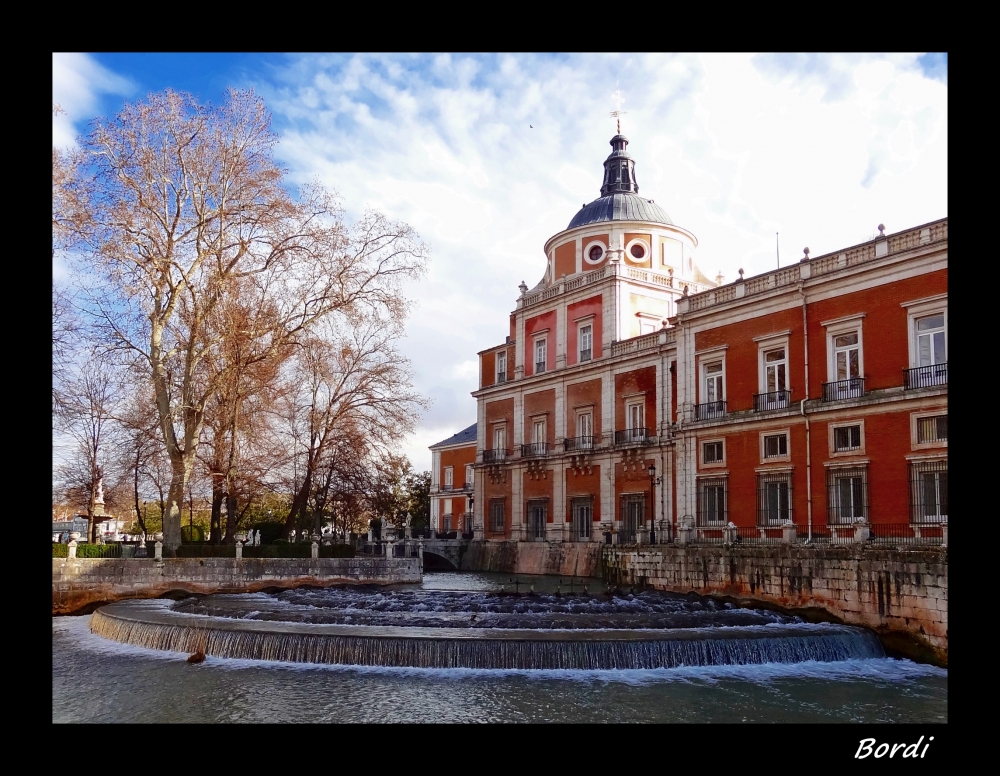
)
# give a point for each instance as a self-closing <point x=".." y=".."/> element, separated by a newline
<point x="617" y="114"/>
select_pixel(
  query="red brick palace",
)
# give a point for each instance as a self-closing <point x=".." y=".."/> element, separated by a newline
<point x="635" y="400"/>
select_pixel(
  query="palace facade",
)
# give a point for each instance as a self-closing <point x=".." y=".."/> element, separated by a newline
<point x="636" y="400"/>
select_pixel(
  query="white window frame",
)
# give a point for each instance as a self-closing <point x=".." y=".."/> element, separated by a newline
<point x="589" y="414"/>
<point x="470" y="474"/>
<point x="701" y="453"/>
<point x="501" y="374"/>
<point x="835" y="328"/>
<point x="704" y="363"/>
<point x="834" y="453"/>
<point x="591" y="244"/>
<point x="645" y="246"/>
<point x="766" y="344"/>
<point x="500" y="432"/>
<point x="536" y="424"/>
<point x="922" y="308"/>
<point x="915" y="418"/>
<point x="787" y="457"/>
<point x="775" y="476"/>
<point x="449" y="477"/>
<point x="637" y="401"/>
<point x="587" y="323"/>
<point x="851" y="470"/>
<point x="543" y="340"/>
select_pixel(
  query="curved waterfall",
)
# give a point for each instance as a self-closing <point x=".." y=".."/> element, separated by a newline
<point x="478" y="630"/>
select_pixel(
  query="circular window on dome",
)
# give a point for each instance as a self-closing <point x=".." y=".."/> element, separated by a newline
<point x="594" y="253"/>
<point x="637" y="251"/>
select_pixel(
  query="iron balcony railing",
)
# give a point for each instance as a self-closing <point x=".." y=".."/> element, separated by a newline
<point x="851" y="388"/>
<point x="626" y="536"/>
<point x="535" y="529"/>
<point x="925" y="376"/>
<point x="539" y="367"/>
<point x="574" y="444"/>
<point x="501" y="378"/>
<point x="579" y="530"/>
<point x="632" y="436"/>
<point x="495" y="455"/>
<point x="775" y="400"/>
<point x="709" y="410"/>
<point x="535" y="449"/>
<point x="585" y="355"/>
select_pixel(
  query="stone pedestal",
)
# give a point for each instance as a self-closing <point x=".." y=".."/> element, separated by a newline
<point x="861" y="532"/>
<point x="158" y="551"/>
<point x="788" y="533"/>
<point x="315" y="549"/>
<point x="944" y="534"/>
<point x="730" y="535"/>
<point x="71" y="548"/>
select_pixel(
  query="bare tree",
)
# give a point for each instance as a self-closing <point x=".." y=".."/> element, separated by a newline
<point x="353" y="386"/>
<point x="182" y="202"/>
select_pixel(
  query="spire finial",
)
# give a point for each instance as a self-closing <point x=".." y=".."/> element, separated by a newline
<point x="617" y="114"/>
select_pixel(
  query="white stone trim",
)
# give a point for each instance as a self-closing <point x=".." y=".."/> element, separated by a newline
<point x="923" y="308"/>
<point x="915" y="444"/>
<point x="831" y="448"/>
<point x="835" y="328"/>
<point x="591" y="244"/>
<point x="702" y="441"/>
<point x="775" y="432"/>
<point x="647" y="256"/>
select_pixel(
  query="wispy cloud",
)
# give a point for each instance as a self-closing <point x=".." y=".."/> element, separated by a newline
<point x="78" y="82"/>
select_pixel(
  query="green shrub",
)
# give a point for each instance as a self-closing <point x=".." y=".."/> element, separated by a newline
<point x="60" y="550"/>
<point x="192" y="533"/>
<point x="206" y="551"/>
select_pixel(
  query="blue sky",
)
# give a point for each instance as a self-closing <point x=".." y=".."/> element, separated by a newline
<point x="735" y="147"/>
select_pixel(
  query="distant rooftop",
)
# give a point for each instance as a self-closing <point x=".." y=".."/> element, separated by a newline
<point x="465" y="436"/>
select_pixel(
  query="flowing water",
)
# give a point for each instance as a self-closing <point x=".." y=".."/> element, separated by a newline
<point x="458" y="647"/>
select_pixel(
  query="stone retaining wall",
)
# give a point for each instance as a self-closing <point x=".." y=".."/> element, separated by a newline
<point x="901" y="594"/>
<point x="566" y="559"/>
<point x="83" y="582"/>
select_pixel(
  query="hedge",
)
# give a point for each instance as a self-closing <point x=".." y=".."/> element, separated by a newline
<point x="301" y="550"/>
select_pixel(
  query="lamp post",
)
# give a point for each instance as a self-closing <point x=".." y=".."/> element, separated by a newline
<point x="653" y="482"/>
<point x="472" y="513"/>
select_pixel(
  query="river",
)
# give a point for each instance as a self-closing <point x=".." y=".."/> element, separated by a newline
<point x="97" y="680"/>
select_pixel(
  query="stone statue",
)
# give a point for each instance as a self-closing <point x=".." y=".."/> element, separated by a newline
<point x="409" y="519"/>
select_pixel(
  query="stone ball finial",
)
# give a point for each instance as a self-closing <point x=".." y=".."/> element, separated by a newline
<point x="523" y="288"/>
<point x="740" y="270"/>
<point x="806" y="252"/>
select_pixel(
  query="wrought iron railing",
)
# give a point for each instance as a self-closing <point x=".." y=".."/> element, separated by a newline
<point x="774" y="400"/>
<point x="925" y="376"/>
<point x="579" y="531"/>
<point x="626" y="536"/>
<point x="633" y="436"/>
<point x="901" y="534"/>
<point x="710" y="410"/>
<point x="501" y="377"/>
<point x="575" y="444"/>
<point x="496" y="455"/>
<point x="539" y="367"/>
<point x="851" y="388"/>
<point x="585" y="355"/>
<point x="535" y="449"/>
<point x="535" y="529"/>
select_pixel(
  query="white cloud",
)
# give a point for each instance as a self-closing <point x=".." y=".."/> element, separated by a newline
<point x="77" y="84"/>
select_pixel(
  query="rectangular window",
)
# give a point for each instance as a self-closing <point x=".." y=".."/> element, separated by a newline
<point x="712" y="452"/>
<point x="540" y="353"/>
<point x="497" y="516"/>
<point x="846" y="438"/>
<point x="633" y="511"/>
<point x="585" y="430"/>
<point x="931" y="348"/>
<point x="500" y="441"/>
<point x="582" y="511"/>
<point x="847" y="355"/>
<point x="713" y="382"/>
<point x="932" y="429"/>
<point x="774" y="498"/>
<point x="586" y="340"/>
<point x="502" y="367"/>
<point x="449" y="478"/>
<point x="712" y="501"/>
<point x="537" y="511"/>
<point x="635" y="417"/>
<point x="468" y="476"/>
<point x="538" y="431"/>
<point x="847" y="495"/>
<point x="929" y="492"/>
<point x="774" y="370"/>
<point x="776" y="446"/>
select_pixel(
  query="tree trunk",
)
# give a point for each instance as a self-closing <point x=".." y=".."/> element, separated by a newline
<point x="175" y="502"/>
<point x="217" y="496"/>
<point x="231" y="515"/>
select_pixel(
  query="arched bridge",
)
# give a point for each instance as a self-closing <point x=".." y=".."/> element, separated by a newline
<point x="439" y="554"/>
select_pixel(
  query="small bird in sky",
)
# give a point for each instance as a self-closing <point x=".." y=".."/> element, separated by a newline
<point x="530" y="126"/>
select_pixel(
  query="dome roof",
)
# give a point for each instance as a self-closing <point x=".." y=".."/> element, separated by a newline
<point x="620" y="207"/>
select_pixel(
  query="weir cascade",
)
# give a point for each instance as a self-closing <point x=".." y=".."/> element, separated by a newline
<point x="478" y="630"/>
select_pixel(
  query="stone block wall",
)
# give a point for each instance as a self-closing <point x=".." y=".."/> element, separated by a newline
<point x="901" y="594"/>
<point x="568" y="559"/>
<point x="83" y="582"/>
